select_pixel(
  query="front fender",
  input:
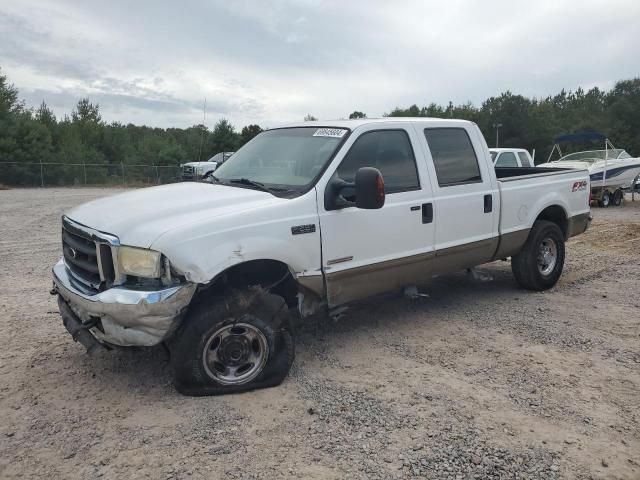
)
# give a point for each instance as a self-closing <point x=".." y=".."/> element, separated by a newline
<point x="202" y="250"/>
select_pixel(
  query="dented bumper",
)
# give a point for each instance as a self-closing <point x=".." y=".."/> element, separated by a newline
<point x="121" y="316"/>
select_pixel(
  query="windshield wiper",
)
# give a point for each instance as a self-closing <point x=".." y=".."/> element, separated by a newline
<point x="251" y="183"/>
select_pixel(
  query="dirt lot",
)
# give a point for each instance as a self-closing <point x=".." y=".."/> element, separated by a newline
<point x="480" y="380"/>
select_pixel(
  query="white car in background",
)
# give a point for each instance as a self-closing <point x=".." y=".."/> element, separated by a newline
<point x="511" y="157"/>
<point x="200" y="170"/>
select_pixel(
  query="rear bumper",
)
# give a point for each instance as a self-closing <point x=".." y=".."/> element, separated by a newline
<point x="120" y="316"/>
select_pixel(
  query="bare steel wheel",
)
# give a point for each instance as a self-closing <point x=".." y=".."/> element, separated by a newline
<point x="539" y="264"/>
<point x="232" y="343"/>
<point x="235" y="354"/>
<point x="547" y="256"/>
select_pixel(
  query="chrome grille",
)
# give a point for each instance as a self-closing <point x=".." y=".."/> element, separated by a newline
<point x="81" y="256"/>
<point x="87" y="256"/>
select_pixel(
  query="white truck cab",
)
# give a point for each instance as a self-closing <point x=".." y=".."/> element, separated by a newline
<point x="303" y="218"/>
<point x="511" y="157"/>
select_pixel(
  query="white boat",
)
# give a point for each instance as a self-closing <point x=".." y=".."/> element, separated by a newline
<point x="611" y="170"/>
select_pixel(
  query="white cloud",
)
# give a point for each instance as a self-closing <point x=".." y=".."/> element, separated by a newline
<point x="272" y="62"/>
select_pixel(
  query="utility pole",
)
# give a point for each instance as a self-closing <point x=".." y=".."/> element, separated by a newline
<point x="497" y="127"/>
<point x="204" y="120"/>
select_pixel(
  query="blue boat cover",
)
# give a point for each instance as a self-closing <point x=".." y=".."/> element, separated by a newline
<point x="578" y="137"/>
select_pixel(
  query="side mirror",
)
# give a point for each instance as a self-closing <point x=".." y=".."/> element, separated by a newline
<point x="369" y="188"/>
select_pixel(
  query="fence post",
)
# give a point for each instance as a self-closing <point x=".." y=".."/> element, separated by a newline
<point x="41" y="173"/>
<point x="124" y="181"/>
<point x="84" y="167"/>
<point x="157" y="175"/>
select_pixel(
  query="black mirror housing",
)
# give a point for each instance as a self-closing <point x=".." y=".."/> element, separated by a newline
<point x="369" y="188"/>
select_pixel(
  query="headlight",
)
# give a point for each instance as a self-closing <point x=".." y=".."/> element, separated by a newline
<point x="139" y="262"/>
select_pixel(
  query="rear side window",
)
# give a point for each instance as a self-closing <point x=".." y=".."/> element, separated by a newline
<point x="390" y="152"/>
<point x="524" y="159"/>
<point x="507" y="159"/>
<point x="453" y="156"/>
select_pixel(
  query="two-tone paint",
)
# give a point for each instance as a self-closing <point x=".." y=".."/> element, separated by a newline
<point x="347" y="254"/>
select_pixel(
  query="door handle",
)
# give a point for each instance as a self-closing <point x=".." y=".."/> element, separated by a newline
<point x="427" y="212"/>
<point x="488" y="203"/>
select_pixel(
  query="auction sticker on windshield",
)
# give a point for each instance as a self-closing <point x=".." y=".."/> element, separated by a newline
<point x="330" y="132"/>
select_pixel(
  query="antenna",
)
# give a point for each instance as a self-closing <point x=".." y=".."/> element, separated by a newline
<point x="204" y="119"/>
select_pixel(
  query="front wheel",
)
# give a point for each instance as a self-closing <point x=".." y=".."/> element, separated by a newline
<point x="233" y="343"/>
<point x="539" y="264"/>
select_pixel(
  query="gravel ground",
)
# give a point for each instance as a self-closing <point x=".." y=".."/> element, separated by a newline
<point x="479" y="380"/>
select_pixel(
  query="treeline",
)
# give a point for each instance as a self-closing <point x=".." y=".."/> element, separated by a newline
<point x="113" y="152"/>
<point x="533" y="123"/>
<point x="103" y="152"/>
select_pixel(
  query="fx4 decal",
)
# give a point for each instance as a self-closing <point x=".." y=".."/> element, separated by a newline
<point x="582" y="185"/>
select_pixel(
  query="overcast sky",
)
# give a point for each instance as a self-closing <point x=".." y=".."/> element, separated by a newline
<point x="269" y="62"/>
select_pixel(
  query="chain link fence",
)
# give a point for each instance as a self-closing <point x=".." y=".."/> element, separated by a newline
<point x="46" y="174"/>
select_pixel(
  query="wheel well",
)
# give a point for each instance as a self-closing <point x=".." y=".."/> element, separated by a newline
<point x="557" y="215"/>
<point x="272" y="275"/>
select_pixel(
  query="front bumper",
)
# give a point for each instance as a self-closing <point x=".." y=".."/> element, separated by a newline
<point x="121" y="316"/>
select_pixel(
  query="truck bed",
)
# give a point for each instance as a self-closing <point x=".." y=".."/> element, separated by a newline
<point x="527" y="191"/>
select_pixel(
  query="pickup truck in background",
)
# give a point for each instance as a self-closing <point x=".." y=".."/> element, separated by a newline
<point x="302" y="219"/>
<point x="511" y="157"/>
<point x="194" y="171"/>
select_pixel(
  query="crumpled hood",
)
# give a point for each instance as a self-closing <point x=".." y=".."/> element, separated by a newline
<point x="140" y="216"/>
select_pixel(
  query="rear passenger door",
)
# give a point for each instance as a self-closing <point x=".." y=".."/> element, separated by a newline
<point x="466" y="200"/>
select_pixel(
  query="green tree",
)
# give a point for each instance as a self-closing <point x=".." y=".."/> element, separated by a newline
<point x="223" y="138"/>
<point x="357" y="114"/>
<point x="248" y="133"/>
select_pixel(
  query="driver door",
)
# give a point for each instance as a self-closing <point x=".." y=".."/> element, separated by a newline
<point x="367" y="252"/>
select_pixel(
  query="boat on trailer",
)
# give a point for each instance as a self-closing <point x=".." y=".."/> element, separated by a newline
<point x="612" y="170"/>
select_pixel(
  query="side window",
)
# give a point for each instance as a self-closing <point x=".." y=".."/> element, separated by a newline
<point x="524" y="159"/>
<point x="453" y="156"/>
<point x="390" y="152"/>
<point x="507" y="159"/>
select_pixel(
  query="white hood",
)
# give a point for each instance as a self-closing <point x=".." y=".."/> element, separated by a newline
<point x="140" y="216"/>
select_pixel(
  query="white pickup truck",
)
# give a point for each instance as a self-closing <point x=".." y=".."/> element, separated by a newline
<point x="201" y="170"/>
<point x="511" y="157"/>
<point x="302" y="219"/>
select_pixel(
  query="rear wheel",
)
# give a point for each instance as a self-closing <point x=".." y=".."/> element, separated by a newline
<point x="233" y="343"/>
<point x="539" y="264"/>
<point x="617" y="198"/>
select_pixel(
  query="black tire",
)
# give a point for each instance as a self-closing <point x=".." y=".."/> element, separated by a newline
<point x="525" y="266"/>
<point x="254" y="307"/>
<point x="605" y="200"/>
<point x="617" y="198"/>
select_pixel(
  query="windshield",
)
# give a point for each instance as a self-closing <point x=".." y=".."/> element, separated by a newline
<point x="286" y="157"/>
<point x="592" y="156"/>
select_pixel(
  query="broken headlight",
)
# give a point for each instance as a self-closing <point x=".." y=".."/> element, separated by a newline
<point x="139" y="262"/>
